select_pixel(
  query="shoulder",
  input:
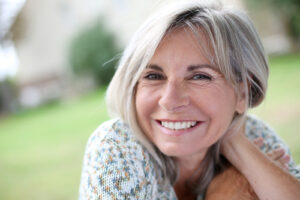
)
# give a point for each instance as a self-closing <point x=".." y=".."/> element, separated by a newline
<point x="116" y="165"/>
<point x="256" y="127"/>
<point x="113" y="143"/>
<point x="113" y="133"/>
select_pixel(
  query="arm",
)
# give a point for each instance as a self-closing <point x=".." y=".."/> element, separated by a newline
<point x="232" y="185"/>
<point x="267" y="179"/>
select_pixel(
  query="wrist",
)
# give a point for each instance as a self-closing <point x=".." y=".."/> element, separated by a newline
<point x="235" y="150"/>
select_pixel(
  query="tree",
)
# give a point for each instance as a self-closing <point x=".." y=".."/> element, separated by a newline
<point x="94" y="51"/>
<point x="291" y="11"/>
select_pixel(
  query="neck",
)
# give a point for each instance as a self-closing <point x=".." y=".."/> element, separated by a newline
<point x="189" y="165"/>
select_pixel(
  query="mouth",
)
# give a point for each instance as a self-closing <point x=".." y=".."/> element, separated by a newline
<point x="178" y="125"/>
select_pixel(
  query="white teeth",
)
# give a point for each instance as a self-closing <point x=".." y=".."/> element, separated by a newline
<point x="178" y="125"/>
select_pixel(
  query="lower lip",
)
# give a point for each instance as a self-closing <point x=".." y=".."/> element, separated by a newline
<point x="171" y="132"/>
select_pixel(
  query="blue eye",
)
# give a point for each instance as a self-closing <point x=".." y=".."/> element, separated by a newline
<point x="154" y="77"/>
<point x="201" y="77"/>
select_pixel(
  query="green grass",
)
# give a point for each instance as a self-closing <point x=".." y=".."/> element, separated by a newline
<point x="41" y="150"/>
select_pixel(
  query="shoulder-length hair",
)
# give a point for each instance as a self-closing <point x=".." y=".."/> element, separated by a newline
<point x="236" y="50"/>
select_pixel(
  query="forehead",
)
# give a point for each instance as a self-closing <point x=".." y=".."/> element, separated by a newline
<point x="184" y="47"/>
<point x="194" y="39"/>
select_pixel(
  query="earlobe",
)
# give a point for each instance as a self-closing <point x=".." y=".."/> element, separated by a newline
<point x="241" y="105"/>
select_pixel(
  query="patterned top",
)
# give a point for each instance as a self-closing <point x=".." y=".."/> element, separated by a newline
<point x="117" y="166"/>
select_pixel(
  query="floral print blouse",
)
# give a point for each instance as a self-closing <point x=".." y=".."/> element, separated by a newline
<point x="117" y="166"/>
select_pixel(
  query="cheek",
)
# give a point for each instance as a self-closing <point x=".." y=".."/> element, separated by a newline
<point x="140" y="105"/>
<point x="216" y="102"/>
<point x="144" y="105"/>
<point x="220" y="108"/>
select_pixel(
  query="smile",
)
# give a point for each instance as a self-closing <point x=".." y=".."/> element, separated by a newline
<point x="178" y="125"/>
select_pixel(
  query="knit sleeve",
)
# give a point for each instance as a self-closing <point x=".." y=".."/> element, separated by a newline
<point x="110" y="171"/>
<point x="257" y="128"/>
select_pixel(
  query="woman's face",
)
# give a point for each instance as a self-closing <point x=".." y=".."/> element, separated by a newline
<point x="183" y="103"/>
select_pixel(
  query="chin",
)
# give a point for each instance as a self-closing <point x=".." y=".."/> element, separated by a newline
<point x="177" y="151"/>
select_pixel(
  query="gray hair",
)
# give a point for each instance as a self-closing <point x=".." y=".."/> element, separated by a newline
<point x="237" y="52"/>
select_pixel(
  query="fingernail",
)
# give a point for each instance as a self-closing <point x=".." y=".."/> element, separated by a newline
<point x="280" y="150"/>
<point x="286" y="158"/>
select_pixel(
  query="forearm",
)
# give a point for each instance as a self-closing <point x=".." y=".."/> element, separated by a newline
<point x="267" y="179"/>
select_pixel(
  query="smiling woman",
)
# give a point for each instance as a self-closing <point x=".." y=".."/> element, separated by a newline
<point x="184" y="87"/>
<point x="180" y="97"/>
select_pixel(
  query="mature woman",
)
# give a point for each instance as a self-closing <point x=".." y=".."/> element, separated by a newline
<point x="180" y="97"/>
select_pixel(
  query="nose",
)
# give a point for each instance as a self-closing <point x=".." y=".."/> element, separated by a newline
<point x="174" y="97"/>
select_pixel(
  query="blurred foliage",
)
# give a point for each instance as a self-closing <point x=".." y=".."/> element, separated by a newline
<point x="93" y="52"/>
<point x="290" y="9"/>
<point x="8" y="93"/>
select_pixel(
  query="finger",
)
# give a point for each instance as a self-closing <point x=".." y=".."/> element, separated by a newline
<point x="282" y="165"/>
<point x="284" y="159"/>
<point x="259" y="142"/>
<point x="276" y="154"/>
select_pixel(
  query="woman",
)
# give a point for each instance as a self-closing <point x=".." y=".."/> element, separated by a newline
<point x="180" y="97"/>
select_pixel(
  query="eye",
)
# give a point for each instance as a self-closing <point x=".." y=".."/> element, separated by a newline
<point x="154" y="76"/>
<point x="201" y="77"/>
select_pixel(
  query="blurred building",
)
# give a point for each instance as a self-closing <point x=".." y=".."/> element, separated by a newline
<point x="42" y="33"/>
<point x="44" y="29"/>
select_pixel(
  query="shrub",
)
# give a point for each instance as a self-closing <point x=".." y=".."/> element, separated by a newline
<point x="93" y="51"/>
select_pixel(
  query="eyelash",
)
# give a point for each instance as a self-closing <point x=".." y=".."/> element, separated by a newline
<point x="154" y="76"/>
<point x="157" y="76"/>
<point x="201" y="77"/>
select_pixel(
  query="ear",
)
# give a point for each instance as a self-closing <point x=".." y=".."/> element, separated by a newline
<point x="241" y="100"/>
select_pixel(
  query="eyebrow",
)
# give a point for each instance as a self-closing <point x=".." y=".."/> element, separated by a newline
<point x="155" y="67"/>
<point x="190" y="67"/>
<point x="194" y="67"/>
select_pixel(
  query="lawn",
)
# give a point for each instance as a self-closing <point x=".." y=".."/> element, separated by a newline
<point x="41" y="150"/>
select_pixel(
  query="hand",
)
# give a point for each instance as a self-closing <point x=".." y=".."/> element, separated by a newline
<point x="234" y="134"/>
<point x="230" y="185"/>
<point x="279" y="155"/>
<point x="237" y="132"/>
